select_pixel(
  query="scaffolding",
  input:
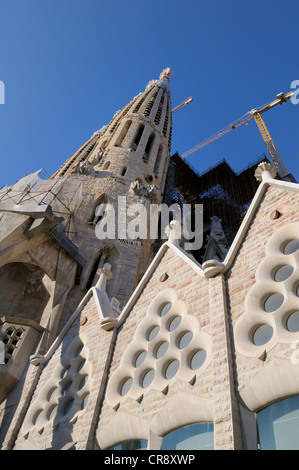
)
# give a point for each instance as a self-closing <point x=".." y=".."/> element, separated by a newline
<point x="35" y="190"/>
<point x="223" y="192"/>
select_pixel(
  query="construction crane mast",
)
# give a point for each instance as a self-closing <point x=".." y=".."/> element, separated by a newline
<point x="256" y="115"/>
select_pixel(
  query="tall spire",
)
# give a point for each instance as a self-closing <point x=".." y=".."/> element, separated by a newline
<point x="137" y="134"/>
<point x="163" y="79"/>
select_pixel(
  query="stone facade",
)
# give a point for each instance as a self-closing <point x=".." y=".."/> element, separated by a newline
<point x="122" y="345"/>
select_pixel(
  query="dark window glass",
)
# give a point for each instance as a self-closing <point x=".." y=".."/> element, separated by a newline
<point x="137" y="444"/>
<point x="199" y="436"/>
<point x="278" y="425"/>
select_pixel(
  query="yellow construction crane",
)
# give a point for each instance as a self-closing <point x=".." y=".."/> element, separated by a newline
<point x="180" y="106"/>
<point x="256" y="115"/>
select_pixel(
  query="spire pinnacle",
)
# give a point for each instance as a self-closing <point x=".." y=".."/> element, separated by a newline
<point x="163" y="80"/>
<point x="166" y="74"/>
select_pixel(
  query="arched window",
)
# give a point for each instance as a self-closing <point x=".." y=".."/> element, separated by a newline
<point x="106" y="166"/>
<point x="158" y="160"/>
<point x="137" y="138"/>
<point x="199" y="436"/>
<point x="150" y="104"/>
<point x="107" y="254"/>
<point x="159" y="111"/>
<point x="149" y="147"/>
<point x="123" y="134"/>
<point x="123" y="171"/>
<point x="278" y="425"/>
<point x="136" y="444"/>
<point x="99" y="210"/>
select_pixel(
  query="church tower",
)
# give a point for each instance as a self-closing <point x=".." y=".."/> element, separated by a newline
<point x="124" y="163"/>
<point x="51" y="252"/>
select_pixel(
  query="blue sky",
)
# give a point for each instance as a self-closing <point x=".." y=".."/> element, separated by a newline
<point x="68" y="65"/>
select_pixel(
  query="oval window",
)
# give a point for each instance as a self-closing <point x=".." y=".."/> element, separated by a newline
<point x="273" y="302"/>
<point x="140" y="358"/>
<point x="148" y="378"/>
<point x="83" y="381"/>
<point x="162" y="349"/>
<point x="185" y="339"/>
<point x="153" y="333"/>
<point x="84" y="401"/>
<point x="172" y="369"/>
<point x="68" y="406"/>
<point x="174" y="323"/>
<point x="165" y="309"/>
<point x="198" y="359"/>
<point x="283" y="273"/>
<point x="127" y="384"/>
<point x="262" y="335"/>
<point x="291" y="247"/>
<point x="293" y="322"/>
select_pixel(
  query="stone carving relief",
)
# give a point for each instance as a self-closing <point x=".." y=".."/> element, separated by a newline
<point x="149" y="191"/>
<point x="84" y="168"/>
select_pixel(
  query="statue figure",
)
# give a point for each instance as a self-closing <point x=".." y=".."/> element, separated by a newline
<point x="136" y="187"/>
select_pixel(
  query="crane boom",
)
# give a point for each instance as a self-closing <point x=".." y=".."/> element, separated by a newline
<point x="180" y="106"/>
<point x="256" y="115"/>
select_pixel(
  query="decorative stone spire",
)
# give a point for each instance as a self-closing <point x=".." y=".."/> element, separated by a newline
<point x="174" y="232"/>
<point x="265" y="171"/>
<point x="163" y="81"/>
<point x="104" y="275"/>
<point x="166" y="74"/>
<point x="136" y="143"/>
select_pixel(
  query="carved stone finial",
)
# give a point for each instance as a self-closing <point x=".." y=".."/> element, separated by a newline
<point x="212" y="267"/>
<point x="265" y="171"/>
<point x="174" y="232"/>
<point x="166" y="74"/>
<point x="104" y="275"/>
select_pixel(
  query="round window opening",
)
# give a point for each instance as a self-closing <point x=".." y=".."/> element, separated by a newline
<point x="37" y="416"/>
<point x="68" y="406"/>
<point x="81" y="364"/>
<point x="293" y="322"/>
<point x="153" y="333"/>
<point x="162" y="349"/>
<point x="66" y="388"/>
<point x="79" y="350"/>
<point x="65" y="372"/>
<point x="172" y="369"/>
<point x="185" y="339"/>
<point x="148" y="378"/>
<point x="283" y="273"/>
<point x="127" y="384"/>
<point x="165" y="309"/>
<point x="174" y="323"/>
<point x="290" y="247"/>
<point x="84" y="401"/>
<point x="273" y="302"/>
<point x="140" y="358"/>
<point x="262" y="335"/>
<point x="52" y="412"/>
<point x="51" y="393"/>
<point x="83" y="381"/>
<point x="197" y="359"/>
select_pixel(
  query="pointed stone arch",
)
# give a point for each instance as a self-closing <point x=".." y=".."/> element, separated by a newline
<point x="98" y="211"/>
<point x="106" y="254"/>
<point x="22" y="291"/>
